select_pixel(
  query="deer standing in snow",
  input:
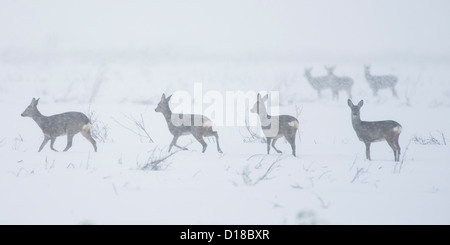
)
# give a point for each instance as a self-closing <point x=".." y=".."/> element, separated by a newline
<point x="184" y="124"/>
<point x="380" y="82"/>
<point x="275" y="127"/>
<point x="339" y="83"/>
<point x="369" y="132"/>
<point x="68" y="123"/>
<point x="318" y="83"/>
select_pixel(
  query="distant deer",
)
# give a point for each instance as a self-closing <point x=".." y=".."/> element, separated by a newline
<point x="339" y="83"/>
<point x="369" y="132"/>
<point x="68" y="123"/>
<point x="318" y="83"/>
<point x="184" y="124"/>
<point x="380" y="82"/>
<point x="275" y="127"/>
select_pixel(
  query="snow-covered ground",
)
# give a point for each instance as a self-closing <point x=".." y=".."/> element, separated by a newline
<point x="329" y="182"/>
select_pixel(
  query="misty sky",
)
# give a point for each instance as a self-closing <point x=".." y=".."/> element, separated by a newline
<point x="334" y="26"/>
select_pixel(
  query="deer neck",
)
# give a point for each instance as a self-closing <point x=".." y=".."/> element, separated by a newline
<point x="263" y="116"/>
<point x="39" y="119"/>
<point x="356" y="121"/>
<point x="308" y="76"/>
<point x="168" y="115"/>
<point x="367" y="73"/>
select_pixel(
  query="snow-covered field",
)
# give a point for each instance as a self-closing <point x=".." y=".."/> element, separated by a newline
<point x="329" y="182"/>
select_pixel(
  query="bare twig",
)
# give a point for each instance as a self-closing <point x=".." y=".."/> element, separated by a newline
<point x="324" y="173"/>
<point x="354" y="161"/>
<point x="140" y="130"/>
<point x="100" y="78"/>
<point x="430" y="140"/>
<point x="154" y="161"/>
<point x="246" y="172"/>
<point x="99" y="129"/>
<point x="359" y="171"/>
<point x="403" y="158"/>
<point x="115" y="189"/>
<point x="20" y="171"/>
<point x="322" y="202"/>
<point x="17" y="139"/>
<point x="298" y="112"/>
<point x="252" y="136"/>
<point x="443" y="138"/>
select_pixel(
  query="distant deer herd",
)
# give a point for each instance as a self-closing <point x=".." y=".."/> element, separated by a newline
<point x="273" y="126"/>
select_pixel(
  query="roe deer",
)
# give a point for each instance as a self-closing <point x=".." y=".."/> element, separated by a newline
<point x="275" y="127"/>
<point x="318" y="83"/>
<point x="339" y="83"/>
<point x="184" y="124"/>
<point x="380" y="82"/>
<point x="68" y="123"/>
<point x="369" y="132"/>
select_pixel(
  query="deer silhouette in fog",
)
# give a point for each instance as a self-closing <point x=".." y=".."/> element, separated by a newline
<point x="380" y="82"/>
<point x="369" y="132"/>
<point x="318" y="83"/>
<point x="68" y="123"/>
<point x="339" y="83"/>
<point x="275" y="127"/>
<point x="184" y="124"/>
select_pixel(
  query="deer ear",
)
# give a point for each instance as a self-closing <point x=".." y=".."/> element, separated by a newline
<point x="163" y="97"/>
<point x="259" y="97"/>
<point x="168" y="98"/>
<point x="361" y="103"/>
<point x="265" y="97"/>
<point x="349" y="103"/>
<point x="37" y="101"/>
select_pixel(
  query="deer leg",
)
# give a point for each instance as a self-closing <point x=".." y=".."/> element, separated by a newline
<point x="217" y="141"/>
<point x="46" y="139"/>
<point x="273" y="145"/>
<point x="88" y="136"/>
<point x="398" y="148"/>
<point x="394" y="93"/>
<point x="200" y="139"/>
<point x="268" y="144"/>
<point x="375" y="92"/>
<point x="69" y="141"/>
<point x="291" y="140"/>
<point x="335" y="95"/>
<point x="52" y="141"/>
<point x="368" y="151"/>
<point x="392" y="144"/>
<point x="174" y="143"/>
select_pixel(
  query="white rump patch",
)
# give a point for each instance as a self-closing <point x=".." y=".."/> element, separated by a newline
<point x="207" y="124"/>
<point x="397" y="129"/>
<point x="87" y="127"/>
<point x="293" y="124"/>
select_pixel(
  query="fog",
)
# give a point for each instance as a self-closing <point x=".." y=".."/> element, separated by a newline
<point x="345" y="27"/>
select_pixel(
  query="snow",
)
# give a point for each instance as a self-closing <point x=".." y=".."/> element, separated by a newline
<point x="117" y="67"/>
